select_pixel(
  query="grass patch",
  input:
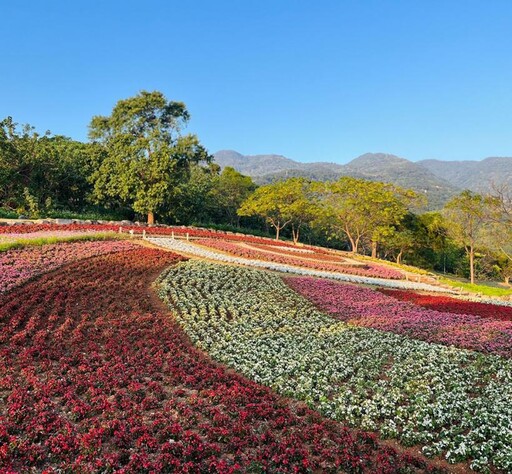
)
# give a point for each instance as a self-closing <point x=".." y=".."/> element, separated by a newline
<point x="7" y="214"/>
<point x="486" y="290"/>
<point x="400" y="266"/>
<point x="38" y="242"/>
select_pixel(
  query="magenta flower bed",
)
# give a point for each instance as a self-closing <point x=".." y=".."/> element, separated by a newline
<point x="18" y="266"/>
<point x="234" y="249"/>
<point x="369" y="308"/>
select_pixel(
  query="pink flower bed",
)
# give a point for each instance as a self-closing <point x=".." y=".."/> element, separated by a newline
<point x="234" y="249"/>
<point x="369" y="308"/>
<point x="18" y="266"/>
<point x="452" y="305"/>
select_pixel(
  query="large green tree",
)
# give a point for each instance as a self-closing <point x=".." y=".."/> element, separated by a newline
<point x="146" y="154"/>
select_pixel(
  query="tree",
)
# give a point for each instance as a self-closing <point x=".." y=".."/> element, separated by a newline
<point x="280" y="203"/>
<point x="302" y="204"/>
<point x="502" y="219"/>
<point x="230" y="189"/>
<point x="192" y="197"/>
<point x="146" y="155"/>
<point x="360" y="208"/>
<point x="400" y="240"/>
<point x="469" y="215"/>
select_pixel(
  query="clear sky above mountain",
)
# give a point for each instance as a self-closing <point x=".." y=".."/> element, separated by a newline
<point x="309" y="80"/>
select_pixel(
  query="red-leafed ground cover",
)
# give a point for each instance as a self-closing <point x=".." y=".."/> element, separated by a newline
<point x="96" y="377"/>
<point x="452" y="305"/>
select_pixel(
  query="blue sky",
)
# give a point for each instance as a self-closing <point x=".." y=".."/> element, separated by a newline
<point x="314" y="81"/>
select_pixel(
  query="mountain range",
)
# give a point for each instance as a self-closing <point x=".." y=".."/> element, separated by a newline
<point x="437" y="180"/>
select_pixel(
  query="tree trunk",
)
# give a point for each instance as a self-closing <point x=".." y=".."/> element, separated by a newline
<point x="399" y="258"/>
<point x="151" y="217"/>
<point x="295" y="234"/>
<point x="355" y="248"/>
<point x="374" y="249"/>
<point x="472" y="265"/>
<point x="277" y="232"/>
<point x="507" y="280"/>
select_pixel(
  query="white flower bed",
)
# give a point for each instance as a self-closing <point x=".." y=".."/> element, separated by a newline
<point x="191" y="249"/>
<point x="453" y="402"/>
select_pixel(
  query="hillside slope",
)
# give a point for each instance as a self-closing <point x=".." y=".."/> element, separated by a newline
<point x="477" y="176"/>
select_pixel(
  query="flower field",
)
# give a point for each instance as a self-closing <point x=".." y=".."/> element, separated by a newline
<point x="195" y="232"/>
<point x="334" y="265"/>
<point x="244" y="370"/>
<point x="451" y="402"/>
<point x="18" y="266"/>
<point x="95" y="376"/>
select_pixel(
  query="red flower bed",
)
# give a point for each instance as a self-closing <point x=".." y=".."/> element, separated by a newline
<point x="452" y="305"/>
<point x="96" y="377"/>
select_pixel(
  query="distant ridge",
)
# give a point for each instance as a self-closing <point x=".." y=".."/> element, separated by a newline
<point x="375" y="166"/>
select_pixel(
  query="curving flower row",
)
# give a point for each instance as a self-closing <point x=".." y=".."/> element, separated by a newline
<point x="191" y="249"/>
<point x="18" y="266"/>
<point x="369" y="308"/>
<point x="375" y="271"/>
<point x="95" y="376"/>
<point x="452" y="402"/>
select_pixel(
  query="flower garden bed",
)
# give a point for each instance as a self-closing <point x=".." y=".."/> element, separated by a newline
<point x="204" y="252"/>
<point x="453" y="305"/>
<point x="369" y="308"/>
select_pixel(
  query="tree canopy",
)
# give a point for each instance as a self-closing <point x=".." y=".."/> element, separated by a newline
<point x="360" y="209"/>
<point x="280" y="204"/>
<point x="146" y="154"/>
<point x="469" y="215"/>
